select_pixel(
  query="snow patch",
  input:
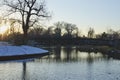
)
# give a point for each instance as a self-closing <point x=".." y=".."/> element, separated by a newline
<point x="20" y="50"/>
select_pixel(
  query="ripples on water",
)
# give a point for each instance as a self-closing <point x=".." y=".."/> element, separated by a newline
<point x="63" y="64"/>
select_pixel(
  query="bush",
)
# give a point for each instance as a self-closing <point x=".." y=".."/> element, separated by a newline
<point x="15" y="38"/>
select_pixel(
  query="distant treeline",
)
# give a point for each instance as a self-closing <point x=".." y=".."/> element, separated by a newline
<point x="77" y="41"/>
<point x="63" y="33"/>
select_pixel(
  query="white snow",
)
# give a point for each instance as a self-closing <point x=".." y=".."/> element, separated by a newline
<point x="20" y="50"/>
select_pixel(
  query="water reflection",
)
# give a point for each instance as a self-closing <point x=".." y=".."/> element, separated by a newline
<point x="24" y="71"/>
<point x="11" y="71"/>
<point x="71" y="54"/>
<point x="64" y="63"/>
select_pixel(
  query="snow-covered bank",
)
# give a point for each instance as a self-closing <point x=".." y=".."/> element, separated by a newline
<point x="20" y="50"/>
<point x="8" y="52"/>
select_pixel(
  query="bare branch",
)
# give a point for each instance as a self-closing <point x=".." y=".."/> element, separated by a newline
<point x="30" y="11"/>
<point x="28" y="3"/>
<point x="33" y="22"/>
<point x="33" y="2"/>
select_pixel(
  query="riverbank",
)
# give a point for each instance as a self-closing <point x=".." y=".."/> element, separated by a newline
<point x="93" y="48"/>
<point x="110" y="51"/>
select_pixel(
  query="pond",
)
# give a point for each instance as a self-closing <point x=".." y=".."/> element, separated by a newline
<point x="63" y="63"/>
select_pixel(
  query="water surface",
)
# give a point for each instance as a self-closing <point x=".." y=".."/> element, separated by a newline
<point x="63" y="64"/>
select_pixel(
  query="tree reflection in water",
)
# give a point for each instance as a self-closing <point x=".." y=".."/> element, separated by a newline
<point x="64" y="62"/>
<point x="69" y="54"/>
<point x="24" y="71"/>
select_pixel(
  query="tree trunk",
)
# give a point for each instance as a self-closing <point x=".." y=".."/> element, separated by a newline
<point x="25" y="37"/>
<point x="25" y="29"/>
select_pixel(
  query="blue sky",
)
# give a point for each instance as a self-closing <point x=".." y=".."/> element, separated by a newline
<point x="99" y="14"/>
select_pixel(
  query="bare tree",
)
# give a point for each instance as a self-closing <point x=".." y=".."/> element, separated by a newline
<point x="58" y="28"/>
<point x="70" y="28"/>
<point x="91" y="33"/>
<point x="30" y="12"/>
<point x="36" y="31"/>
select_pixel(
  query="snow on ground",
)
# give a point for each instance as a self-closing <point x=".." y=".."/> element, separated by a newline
<point x="20" y="50"/>
<point x="7" y="50"/>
